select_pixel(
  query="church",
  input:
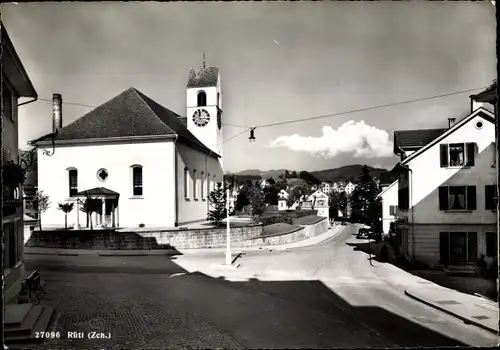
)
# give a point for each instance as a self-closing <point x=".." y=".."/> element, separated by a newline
<point x="150" y="166"/>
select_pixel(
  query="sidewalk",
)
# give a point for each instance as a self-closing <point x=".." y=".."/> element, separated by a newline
<point x="139" y="252"/>
<point x="474" y="310"/>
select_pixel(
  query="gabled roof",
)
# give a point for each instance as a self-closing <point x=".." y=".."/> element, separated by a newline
<point x="489" y="95"/>
<point x="98" y="191"/>
<point x="13" y="68"/>
<point x="203" y="77"/>
<point x="480" y="111"/>
<point x="406" y="139"/>
<point x="318" y="194"/>
<point x="131" y="114"/>
<point x="387" y="188"/>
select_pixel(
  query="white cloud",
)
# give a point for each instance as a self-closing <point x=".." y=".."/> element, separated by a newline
<point x="357" y="137"/>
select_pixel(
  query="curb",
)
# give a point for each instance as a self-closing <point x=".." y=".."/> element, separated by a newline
<point x="464" y="319"/>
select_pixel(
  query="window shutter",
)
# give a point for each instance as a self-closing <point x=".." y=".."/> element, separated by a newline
<point x="471" y="153"/>
<point x="491" y="247"/>
<point x="471" y="246"/>
<point x="444" y="248"/>
<point x="489" y="196"/>
<point x="444" y="156"/>
<point x="443" y="198"/>
<point x="471" y="197"/>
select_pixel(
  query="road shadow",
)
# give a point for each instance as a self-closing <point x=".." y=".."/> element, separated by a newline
<point x="329" y="321"/>
<point x="388" y="330"/>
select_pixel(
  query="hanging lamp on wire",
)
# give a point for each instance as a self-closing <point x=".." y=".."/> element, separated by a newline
<point x="252" y="135"/>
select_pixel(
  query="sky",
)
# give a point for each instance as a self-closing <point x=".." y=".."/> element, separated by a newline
<point x="278" y="61"/>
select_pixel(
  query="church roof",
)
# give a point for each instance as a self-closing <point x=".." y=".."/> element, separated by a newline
<point x="130" y="114"/>
<point x="98" y="191"/>
<point x="203" y="77"/>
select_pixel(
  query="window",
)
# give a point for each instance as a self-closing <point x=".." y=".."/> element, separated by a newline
<point x="195" y="185"/>
<point x="457" y="198"/>
<point x="393" y="210"/>
<point x="202" y="99"/>
<point x="73" y="182"/>
<point x="490" y="197"/>
<point x="218" y="99"/>
<point x="491" y="244"/>
<point x="209" y="185"/>
<point x="457" y="154"/>
<point x="7" y="98"/>
<point x="202" y="184"/>
<point x="137" y="180"/>
<point x="186" y="182"/>
<point x="457" y="247"/>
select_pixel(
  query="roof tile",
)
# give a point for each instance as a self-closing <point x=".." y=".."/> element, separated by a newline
<point x="130" y="114"/>
<point x="416" y="138"/>
<point x="203" y="77"/>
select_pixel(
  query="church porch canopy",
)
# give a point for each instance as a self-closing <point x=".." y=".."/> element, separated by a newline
<point x="100" y="192"/>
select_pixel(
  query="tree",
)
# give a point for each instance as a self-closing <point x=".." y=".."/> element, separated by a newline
<point x="364" y="204"/>
<point x="271" y="195"/>
<point x="257" y="200"/>
<point x="271" y="181"/>
<point x="66" y="208"/>
<point x="217" y="199"/>
<point x="90" y="205"/>
<point x="287" y="174"/>
<point x="294" y="174"/>
<point x="310" y="178"/>
<point x="290" y="201"/>
<point x="337" y="202"/>
<point x="242" y="198"/>
<point x="41" y="204"/>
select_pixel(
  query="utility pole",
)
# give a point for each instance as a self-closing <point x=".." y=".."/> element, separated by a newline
<point x="228" y="230"/>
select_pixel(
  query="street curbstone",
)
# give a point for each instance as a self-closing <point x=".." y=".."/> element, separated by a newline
<point x="451" y="313"/>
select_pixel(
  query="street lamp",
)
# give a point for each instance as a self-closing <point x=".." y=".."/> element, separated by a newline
<point x="252" y="136"/>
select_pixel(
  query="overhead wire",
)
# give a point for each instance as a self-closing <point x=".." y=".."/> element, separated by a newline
<point x="248" y="128"/>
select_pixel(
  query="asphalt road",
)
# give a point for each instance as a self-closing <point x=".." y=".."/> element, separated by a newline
<point x="326" y="296"/>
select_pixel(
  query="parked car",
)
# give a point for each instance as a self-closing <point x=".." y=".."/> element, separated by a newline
<point x="363" y="233"/>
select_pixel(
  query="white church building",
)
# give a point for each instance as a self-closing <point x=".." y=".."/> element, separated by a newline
<point x="150" y="166"/>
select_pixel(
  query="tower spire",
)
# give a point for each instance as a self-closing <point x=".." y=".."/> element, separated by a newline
<point x="203" y="60"/>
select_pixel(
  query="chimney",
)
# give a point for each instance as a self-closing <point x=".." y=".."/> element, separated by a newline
<point x="451" y="122"/>
<point x="56" y="112"/>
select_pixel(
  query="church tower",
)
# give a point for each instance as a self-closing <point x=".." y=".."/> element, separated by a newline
<point x="204" y="106"/>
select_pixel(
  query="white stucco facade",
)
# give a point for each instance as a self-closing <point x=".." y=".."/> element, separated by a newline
<point x="156" y="207"/>
<point x="426" y="220"/>
<point x="389" y="197"/>
<point x="197" y="175"/>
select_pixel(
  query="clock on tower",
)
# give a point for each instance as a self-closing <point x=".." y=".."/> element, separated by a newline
<point x="204" y="106"/>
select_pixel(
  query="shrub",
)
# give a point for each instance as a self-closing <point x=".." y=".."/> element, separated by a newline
<point x="275" y="219"/>
<point x="142" y="225"/>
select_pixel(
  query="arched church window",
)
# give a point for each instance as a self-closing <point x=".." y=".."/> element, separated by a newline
<point x="202" y="99"/>
<point x="195" y="185"/>
<point x="73" y="181"/>
<point x="137" y="180"/>
<point x="186" y="182"/>
<point x="202" y="182"/>
<point x="209" y="185"/>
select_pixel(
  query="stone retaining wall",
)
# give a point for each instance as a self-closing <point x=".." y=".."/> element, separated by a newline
<point x="248" y="236"/>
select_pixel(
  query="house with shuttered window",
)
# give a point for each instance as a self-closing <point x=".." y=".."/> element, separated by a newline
<point x="15" y="86"/>
<point x="446" y="209"/>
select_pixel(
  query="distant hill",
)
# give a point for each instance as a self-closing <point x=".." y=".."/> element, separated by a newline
<point x="345" y="173"/>
<point x="352" y="173"/>
<point x="264" y="174"/>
